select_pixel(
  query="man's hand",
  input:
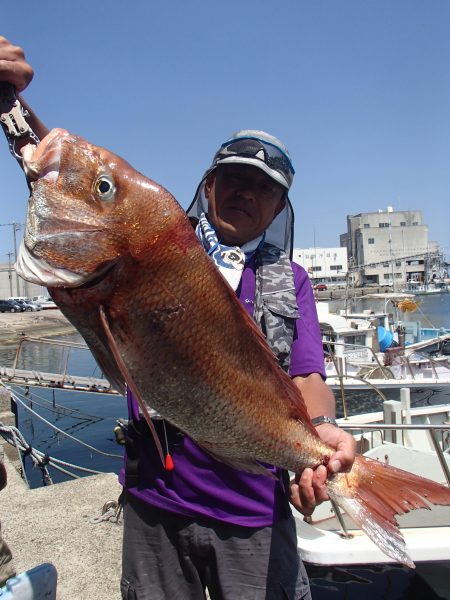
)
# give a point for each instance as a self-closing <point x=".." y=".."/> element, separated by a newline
<point x="13" y="66"/>
<point x="308" y="489"/>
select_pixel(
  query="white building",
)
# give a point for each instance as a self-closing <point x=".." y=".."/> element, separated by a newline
<point x="324" y="265"/>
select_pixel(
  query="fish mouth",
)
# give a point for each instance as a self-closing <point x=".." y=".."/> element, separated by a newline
<point x="43" y="161"/>
<point x="37" y="270"/>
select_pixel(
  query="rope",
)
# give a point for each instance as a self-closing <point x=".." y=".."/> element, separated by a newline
<point x="68" y="435"/>
<point x="54" y="407"/>
<point x="14" y="437"/>
<point x="111" y="511"/>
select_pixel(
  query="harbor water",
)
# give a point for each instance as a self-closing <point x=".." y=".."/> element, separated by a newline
<point x="90" y="418"/>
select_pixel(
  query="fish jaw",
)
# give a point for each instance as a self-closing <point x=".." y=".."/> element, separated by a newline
<point x="43" y="161"/>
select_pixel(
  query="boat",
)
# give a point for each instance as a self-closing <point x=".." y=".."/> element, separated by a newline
<point x="374" y="350"/>
<point x="338" y="555"/>
<point x="419" y="288"/>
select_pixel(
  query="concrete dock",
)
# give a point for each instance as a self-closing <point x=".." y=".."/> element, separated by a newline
<point x="53" y="524"/>
<point x="43" y="323"/>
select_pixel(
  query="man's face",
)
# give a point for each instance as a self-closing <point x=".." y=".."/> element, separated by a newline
<point x="242" y="202"/>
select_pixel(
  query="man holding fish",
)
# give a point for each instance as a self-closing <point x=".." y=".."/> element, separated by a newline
<point x="199" y="521"/>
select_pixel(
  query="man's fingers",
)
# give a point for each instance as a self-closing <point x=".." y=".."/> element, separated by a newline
<point x="308" y="489"/>
<point x="13" y="65"/>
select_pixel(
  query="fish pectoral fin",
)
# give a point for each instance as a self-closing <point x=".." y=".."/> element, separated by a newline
<point x="129" y="380"/>
<point x="373" y="493"/>
<point x="241" y="464"/>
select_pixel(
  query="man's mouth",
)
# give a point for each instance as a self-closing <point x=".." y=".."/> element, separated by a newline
<point x="240" y="209"/>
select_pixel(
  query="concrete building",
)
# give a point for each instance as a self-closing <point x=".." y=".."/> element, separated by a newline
<point x="11" y="285"/>
<point x="389" y="247"/>
<point x="324" y="265"/>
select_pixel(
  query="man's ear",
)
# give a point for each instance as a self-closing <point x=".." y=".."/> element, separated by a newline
<point x="281" y="205"/>
<point x="209" y="182"/>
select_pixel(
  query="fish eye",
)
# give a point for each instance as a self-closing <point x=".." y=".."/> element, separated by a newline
<point x="104" y="187"/>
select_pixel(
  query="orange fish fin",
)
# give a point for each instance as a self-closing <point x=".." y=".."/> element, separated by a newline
<point x="293" y="395"/>
<point x="244" y="464"/>
<point x="297" y="405"/>
<point x="373" y="493"/>
<point x="129" y="380"/>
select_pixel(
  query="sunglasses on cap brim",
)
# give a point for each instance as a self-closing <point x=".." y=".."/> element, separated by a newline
<point x="268" y="153"/>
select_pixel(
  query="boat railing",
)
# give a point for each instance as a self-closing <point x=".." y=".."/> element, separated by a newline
<point x="441" y="449"/>
<point x="49" y="342"/>
<point x="60" y="358"/>
<point x="397" y="357"/>
<point x="340" y="365"/>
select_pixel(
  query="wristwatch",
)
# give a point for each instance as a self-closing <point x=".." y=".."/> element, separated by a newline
<point x="319" y="420"/>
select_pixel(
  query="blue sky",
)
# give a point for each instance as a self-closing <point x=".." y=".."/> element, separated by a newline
<point x="359" y="91"/>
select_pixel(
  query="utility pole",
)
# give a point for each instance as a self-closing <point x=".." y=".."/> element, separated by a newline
<point x="9" y="254"/>
<point x="16" y="227"/>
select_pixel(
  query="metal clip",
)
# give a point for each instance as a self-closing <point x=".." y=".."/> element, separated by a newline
<point x="12" y="113"/>
<point x="12" y="118"/>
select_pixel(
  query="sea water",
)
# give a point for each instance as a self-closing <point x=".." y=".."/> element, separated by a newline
<point x="90" y="418"/>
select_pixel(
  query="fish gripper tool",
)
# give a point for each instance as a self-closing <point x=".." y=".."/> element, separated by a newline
<point x="13" y="119"/>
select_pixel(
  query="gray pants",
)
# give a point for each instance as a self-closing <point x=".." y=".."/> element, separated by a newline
<point x="7" y="569"/>
<point x="167" y="557"/>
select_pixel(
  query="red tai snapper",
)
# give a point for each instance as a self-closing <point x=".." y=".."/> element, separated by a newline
<point x="121" y="260"/>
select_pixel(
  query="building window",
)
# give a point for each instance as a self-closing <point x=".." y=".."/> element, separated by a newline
<point x="402" y="223"/>
<point x="387" y="276"/>
<point x="398" y="263"/>
<point x="317" y="268"/>
<point x="335" y="267"/>
<point x="371" y="240"/>
<point x="383" y="224"/>
<point x="385" y="264"/>
<point x="366" y="225"/>
<point x="415" y="222"/>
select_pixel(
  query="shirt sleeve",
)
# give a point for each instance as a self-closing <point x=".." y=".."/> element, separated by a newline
<point x="307" y="351"/>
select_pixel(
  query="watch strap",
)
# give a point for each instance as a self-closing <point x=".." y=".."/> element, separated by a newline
<point x="322" y="419"/>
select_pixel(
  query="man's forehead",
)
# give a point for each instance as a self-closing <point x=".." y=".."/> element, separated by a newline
<point x="249" y="171"/>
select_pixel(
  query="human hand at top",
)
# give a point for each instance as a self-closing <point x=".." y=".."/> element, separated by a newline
<point x="13" y="66"/>
<point x="308" y="489"/>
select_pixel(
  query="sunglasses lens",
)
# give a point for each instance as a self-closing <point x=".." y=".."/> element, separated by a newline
<point x="272" y="156"/>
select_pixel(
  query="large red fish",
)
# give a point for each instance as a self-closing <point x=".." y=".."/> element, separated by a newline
<point x="123" y="263"/>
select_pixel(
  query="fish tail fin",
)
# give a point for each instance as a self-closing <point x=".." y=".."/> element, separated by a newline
<point x="373" y="493"/>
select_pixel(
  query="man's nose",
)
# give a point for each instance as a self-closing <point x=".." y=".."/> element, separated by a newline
<point x="247" y="190"/>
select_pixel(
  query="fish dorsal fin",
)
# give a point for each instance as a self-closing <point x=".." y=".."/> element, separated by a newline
<point x="129" y="380"/>
<point x="293" y="395"/>
<point x="297" y="405"/>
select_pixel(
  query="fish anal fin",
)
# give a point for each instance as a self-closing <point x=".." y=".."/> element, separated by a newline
<point x="241" y="464"/>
